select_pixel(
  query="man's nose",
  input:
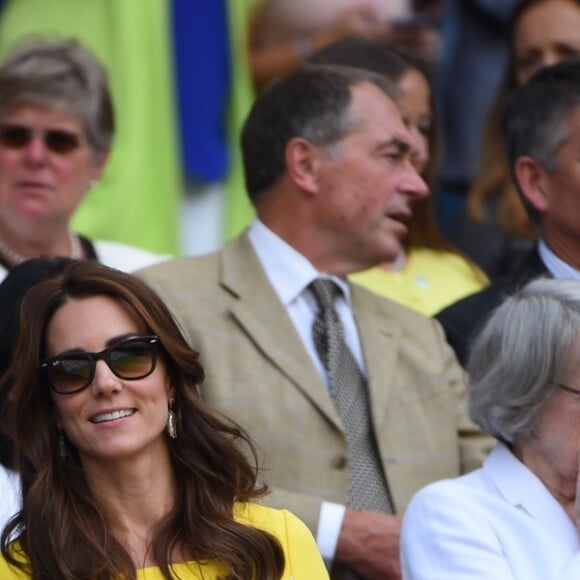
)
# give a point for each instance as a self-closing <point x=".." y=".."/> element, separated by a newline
<point x="414" y="184"/>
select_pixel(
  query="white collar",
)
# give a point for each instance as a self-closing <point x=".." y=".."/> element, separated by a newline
<point x="555" y="265"/>
<point x="288" y="270"/>
<point x="521" y="488"/>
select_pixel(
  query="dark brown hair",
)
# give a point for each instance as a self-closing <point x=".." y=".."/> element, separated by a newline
<point x="61" y="528"/>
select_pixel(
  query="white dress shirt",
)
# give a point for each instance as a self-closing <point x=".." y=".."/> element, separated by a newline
<point x="557" y="267"/>
<point x="497" y="523"/>
<point x="290" y="274"/>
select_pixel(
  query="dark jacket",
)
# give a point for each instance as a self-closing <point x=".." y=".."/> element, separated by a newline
<point x="462" y="319"/>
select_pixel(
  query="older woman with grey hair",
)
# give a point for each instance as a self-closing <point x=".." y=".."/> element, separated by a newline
<point x="519" y="515"/>
<point x="56" y="129"/>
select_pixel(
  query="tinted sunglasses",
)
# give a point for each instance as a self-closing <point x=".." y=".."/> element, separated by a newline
<point x="56" y="140"/>
<point x="131" y="359"/>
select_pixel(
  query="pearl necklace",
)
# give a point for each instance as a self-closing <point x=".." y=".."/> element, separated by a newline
<point x="16" y="258"/>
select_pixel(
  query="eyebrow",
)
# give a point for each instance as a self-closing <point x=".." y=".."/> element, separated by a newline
<point x="400" y="144"/>
<point x="110" y="342"/>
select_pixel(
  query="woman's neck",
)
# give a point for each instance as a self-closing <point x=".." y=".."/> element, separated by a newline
<point x="16" y="249"/>
<point x="136" y="495"/>
<point x="561" y="486"/>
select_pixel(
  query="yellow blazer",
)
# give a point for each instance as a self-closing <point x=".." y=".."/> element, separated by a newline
<point x="303" y="561"/>
<point x="259" y="373"/>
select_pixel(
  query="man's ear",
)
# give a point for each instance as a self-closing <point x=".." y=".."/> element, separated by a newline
<point x="531" y="177"/>
<point x="303" y="161"/>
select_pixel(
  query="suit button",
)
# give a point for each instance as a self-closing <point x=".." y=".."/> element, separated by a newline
<point x="340" y="462"/>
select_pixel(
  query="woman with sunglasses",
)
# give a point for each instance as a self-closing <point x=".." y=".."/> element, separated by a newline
<point x="125" y="472"/>
<point x="56" y="128"/>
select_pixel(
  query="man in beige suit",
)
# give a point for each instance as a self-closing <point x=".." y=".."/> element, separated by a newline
<point x="328" y="168"/>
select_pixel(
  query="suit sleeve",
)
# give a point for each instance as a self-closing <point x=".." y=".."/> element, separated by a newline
<point x="474" y="444"/>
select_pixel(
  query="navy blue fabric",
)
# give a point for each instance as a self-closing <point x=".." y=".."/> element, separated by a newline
<point x="202" y="74"/>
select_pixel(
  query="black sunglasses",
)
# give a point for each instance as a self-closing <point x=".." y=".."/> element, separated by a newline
<point x="131" y="359"/>
<point x="57" y="140"/>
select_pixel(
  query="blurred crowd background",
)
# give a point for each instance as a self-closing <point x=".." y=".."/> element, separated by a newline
<point x="184" y="74"/>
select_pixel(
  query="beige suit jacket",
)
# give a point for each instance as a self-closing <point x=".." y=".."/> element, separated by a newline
<point x="259" y="373"/>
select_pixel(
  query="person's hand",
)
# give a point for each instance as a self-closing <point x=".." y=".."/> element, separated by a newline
<point x="369" y="545"/>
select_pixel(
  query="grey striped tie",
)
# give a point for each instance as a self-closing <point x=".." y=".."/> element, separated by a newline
<point x="367" y="487"/>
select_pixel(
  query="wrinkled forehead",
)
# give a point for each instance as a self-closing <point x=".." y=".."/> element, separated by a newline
<point x="370" y="103"/>
<point x="373" y="110"/>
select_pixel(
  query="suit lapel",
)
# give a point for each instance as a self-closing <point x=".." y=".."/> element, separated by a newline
<point x="380" y="340"/>
<point x="522" y="489"/>
<point x="260" y="314"/>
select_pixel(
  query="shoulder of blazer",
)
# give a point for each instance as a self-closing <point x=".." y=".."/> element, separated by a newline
<point x="478" y="305"/>
<point x="371" y="309"/>
<point x="363" y="298"/>
<point x="462" y="319"/>
<point x="203" y="272"/>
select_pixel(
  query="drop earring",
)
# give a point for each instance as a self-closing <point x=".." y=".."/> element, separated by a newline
<point x="171" y="425"/>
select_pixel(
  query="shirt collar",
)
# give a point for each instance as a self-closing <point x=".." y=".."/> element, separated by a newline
<point x="556" y="266"/>
<point x="288" y="270"/>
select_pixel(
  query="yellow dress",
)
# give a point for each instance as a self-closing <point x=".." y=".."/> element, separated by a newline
<point x="430" y="280"/>
<point x="303" y="561"/>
